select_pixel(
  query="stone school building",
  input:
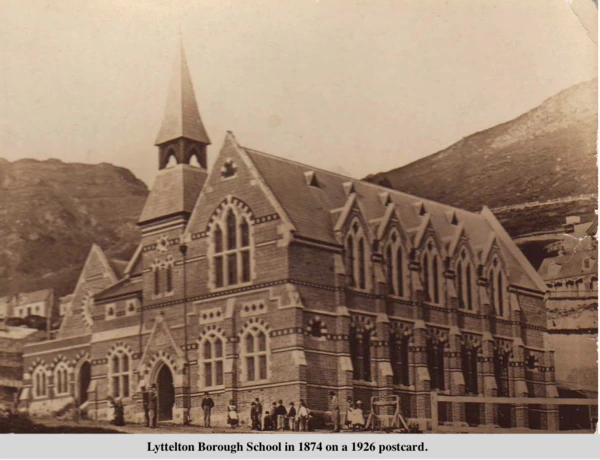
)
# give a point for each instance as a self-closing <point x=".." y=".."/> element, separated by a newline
<point x="266" y="278"/>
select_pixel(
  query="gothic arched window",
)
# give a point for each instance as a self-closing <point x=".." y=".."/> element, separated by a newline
<point x="255" y="354"/>
<point x="39" y="382"/>
<point x="169" y="278"/>
<point x="497" y="287"/>
<point x="350" y="260"/>
<point x="394" y="256"/>
<point x="362" y="276"/>
<point x="61" y="379"/>
<point x="357" y="255"/>
<point x="156" y="280"/>
<point x="119" y="371"/>
<point x="432" y="274"/>
<point x="464" y="282"/>
<point x="231" y="252"/>
<point x="212" y="361"/>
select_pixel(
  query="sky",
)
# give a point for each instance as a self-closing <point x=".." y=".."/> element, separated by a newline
<point x="353" y="86"/>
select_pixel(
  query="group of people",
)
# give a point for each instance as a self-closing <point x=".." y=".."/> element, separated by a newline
<point x="280" y="418"/>
<point x="354" y="418"/>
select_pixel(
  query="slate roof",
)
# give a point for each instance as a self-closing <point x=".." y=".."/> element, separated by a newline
<point x="121" y="288"/>
<point x="25" y="298"/>
<point x="182" y="118"/>
<point x="175" y="191"/>
<point x="569" y="265"/>
<point x="314" y="211"/>
<point x="118" y="266"/>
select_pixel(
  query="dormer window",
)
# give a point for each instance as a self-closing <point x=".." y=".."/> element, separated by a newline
<point x="311" y="179"/>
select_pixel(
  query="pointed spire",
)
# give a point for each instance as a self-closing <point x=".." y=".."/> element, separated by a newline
<point x="182" y="118"/>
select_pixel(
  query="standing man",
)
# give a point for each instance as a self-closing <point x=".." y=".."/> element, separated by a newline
<point x="291" y="416"/>
<point x="153" y="405"/>
<point x="303" y="416"/>
<point x="259" y="410"/>
<point x="145" y="402"/>
<point x="207" y="405"/>
<point x="281" y="416"/>
<point x="334" y="407"/>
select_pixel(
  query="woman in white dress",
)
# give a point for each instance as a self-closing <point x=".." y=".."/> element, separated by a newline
<point x="357" y="417"/>
<point x="232" y="415"/>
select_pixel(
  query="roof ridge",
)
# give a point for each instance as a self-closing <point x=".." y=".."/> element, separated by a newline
<point x="362" y="181"/>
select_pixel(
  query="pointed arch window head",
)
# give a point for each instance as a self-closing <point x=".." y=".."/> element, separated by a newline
<point x="432" y="272"/>
<point x="40" y="389"/>
<point x="231" y="259"/>
<point x="61" y="379"/>
<point x="211" y="361"/>
<point x="464" y="282"/>
<point x="120" y="374"/>
<point x="395" y="261"/>
<point x="255" y="354"/>
<point x="498" y="289"/>
<point x="362" y="276"/>
<point x="357" y="257"/>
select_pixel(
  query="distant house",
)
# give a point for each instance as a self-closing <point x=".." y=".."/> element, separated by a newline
<point x="572" y="306"/>
<point x="572" y="275"/>
<point x="6" y="307"/>
<point x="38" y="303"/>
<point x="12" y="340"/>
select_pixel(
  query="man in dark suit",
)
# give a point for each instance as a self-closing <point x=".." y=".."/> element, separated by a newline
<point x="145" y="401"/>
<point x="152" y="405"/>
<point x="207" y="406"/>
<point x="334" y="407"/>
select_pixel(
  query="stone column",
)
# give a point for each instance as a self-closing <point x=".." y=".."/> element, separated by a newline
<point x="521" y="417"/>
<point x="422" y="380"/>
<point x="488" y="386"/>
<point x="457" y="381"/>
<point x="549" y="416"/>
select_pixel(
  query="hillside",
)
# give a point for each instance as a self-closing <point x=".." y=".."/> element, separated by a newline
<point x="50" y="214"/>
<point x="547" y="153"/>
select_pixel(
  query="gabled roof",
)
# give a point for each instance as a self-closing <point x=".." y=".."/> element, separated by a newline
<point x="569" y="265"/>
<point x="311" y="209"/>
<point x="175" y="191"/>
<point x="182" y="118"/>
<point x="24" y="298"/>
<point x="121" y="288"/>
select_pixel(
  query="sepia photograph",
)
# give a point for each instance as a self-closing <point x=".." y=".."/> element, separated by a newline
<point x="305" y="217"/>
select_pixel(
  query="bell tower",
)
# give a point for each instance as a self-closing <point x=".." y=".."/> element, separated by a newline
<point x="182" y="137"/>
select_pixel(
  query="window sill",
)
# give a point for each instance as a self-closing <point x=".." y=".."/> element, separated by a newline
<point x="213" y="388"/>
<point x="169" y="294"/>
<point x="365" y="382"/>
<point x="231" y="287"/>
<point x="248" y="383"/>
<point x="399" y="386"/>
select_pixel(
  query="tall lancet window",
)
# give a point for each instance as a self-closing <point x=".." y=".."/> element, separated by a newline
<point x="464" y="281"/>
<point x="362" y="276"/>
<point x="394" y="258"/>
<point x="497" y="288"/>
<point x="231" y="249"/>
<point x="358" y="256"/>
<point x="432" y="274"/>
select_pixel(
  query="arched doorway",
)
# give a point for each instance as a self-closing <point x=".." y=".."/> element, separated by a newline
<point x="166" y="393"/>
<point x="85" y="375"/>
